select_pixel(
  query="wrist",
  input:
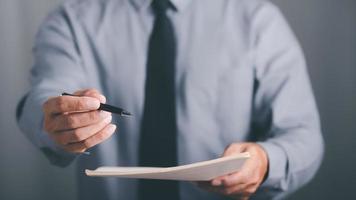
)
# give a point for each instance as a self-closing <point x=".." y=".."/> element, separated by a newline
<point x="265" y="162"/>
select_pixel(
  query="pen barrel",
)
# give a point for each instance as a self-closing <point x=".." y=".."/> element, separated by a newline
<point x="106" y="107"/>
<point x="112" y="109"/>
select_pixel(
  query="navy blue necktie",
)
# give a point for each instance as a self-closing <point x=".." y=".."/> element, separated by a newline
<point x="158" y="145"/>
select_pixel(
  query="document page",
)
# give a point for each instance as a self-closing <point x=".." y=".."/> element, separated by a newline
<point x="200" y="171"/>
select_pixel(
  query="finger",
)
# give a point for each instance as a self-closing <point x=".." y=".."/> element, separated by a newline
<point x="238" y="189"/>
<point x="234" y="148"/>
<point x="229" y="150"/>
<point x="70" y="121"/>
<point x="64" y="104"/>
<point x="92" y="93"/>
<point x="227" y="180"/>
<point x="100" y="137"/>
<point x="208" y="187"/>
<point x="249" y="191"/>
<point x="80" y="134"/>
<point x="217" y="181"/>
<point x="235" y="179"/>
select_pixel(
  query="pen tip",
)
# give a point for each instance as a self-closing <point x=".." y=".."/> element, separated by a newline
<point x="126" y="113"/>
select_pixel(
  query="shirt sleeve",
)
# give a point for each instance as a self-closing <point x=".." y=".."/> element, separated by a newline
<point x="57" y="68"/>
<point x="285" y="114"/>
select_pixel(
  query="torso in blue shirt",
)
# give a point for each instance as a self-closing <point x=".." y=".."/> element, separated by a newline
<point x="240" y="76"/>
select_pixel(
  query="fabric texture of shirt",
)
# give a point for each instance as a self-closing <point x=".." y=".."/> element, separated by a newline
<point x="240" y="76"/>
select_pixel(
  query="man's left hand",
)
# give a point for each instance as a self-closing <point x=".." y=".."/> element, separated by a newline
<point x="244" y="183"/>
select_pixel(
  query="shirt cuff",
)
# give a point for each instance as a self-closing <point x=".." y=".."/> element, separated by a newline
<point x="277" y="165"/>
<point x="56" y="155"/>
<point x="31" y="123"/>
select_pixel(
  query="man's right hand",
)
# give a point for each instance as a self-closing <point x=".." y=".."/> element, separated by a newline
<point x="75" y="123"/>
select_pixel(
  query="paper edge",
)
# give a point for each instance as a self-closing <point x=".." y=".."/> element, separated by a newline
<point x="245" y="155"/>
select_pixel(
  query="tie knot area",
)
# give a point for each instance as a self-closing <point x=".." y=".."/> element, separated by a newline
<point x="160" y="6"/>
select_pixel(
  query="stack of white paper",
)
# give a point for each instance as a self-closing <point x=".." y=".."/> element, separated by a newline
<point x="200" y="171"/>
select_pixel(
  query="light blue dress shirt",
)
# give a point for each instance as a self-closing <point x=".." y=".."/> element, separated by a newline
<point x="240" y="76"/>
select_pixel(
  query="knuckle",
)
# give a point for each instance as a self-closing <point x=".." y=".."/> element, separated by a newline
<point x="87" y="144"/>
<point x="70" y="121"/>
<point x="76" y="135"/>
<point x="45" y="105"/>
<point x="93" y="116"/>
<point x="81" y="104"/>
<point x="60" y="103"/>
<point x="250" y="191"/>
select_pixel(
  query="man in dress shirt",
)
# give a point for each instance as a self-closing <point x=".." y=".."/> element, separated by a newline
<point x="240" y="79"/>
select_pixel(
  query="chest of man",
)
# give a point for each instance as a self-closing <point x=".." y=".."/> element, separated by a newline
<point x="214" y="74"/>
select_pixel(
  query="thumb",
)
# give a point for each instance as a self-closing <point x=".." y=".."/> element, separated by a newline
<point x="91" y="93"/>
<point x="234" y="148"/>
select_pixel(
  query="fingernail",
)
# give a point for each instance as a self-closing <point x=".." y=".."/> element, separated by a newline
<point x="216" y="182"/>
<point x="104" y="114"/>
<point x="108" y="119"/>
<point x="93" y="103"/>
<point x="112" y="127"/>
<point x="102" y="98"/>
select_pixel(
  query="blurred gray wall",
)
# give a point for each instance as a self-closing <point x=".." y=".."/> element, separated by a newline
<point x="326" y="29"/>
<point x="24" y="172"/>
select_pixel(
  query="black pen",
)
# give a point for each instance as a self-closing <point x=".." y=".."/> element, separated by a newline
<point x="108" y="108"/>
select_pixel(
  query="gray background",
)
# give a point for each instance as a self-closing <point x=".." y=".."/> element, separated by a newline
<point x="326" y="29"/>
